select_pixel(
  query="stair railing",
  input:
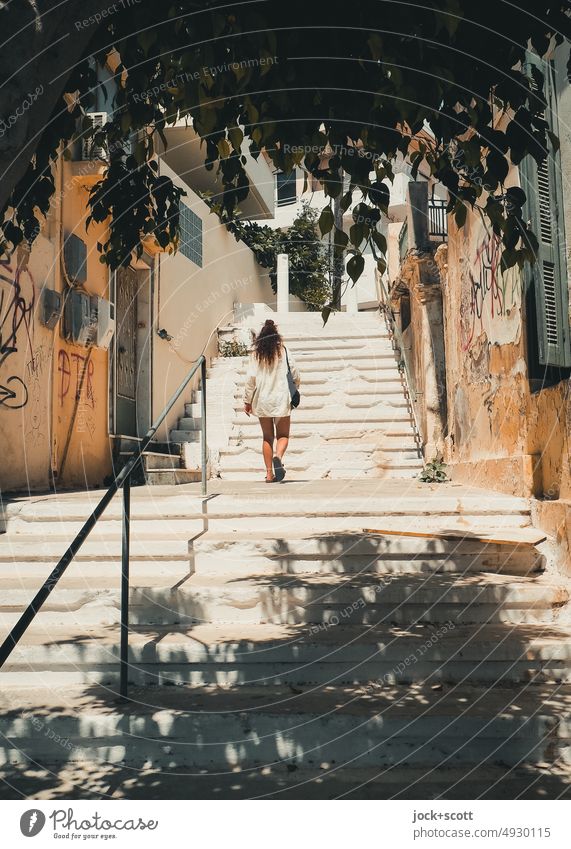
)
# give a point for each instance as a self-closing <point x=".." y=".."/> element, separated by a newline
<point x="121" y="480"/>
<point x="397" y="342"/>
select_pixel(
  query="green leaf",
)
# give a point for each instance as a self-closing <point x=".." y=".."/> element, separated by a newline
<point x="356" y="234"/>
<point x="326" y="220"/>
<point x="223" y="148"/>
<point x="355" y="267"/>
<point x="236" y="137"/>
<point x="379" y="241"/>
<point x="460" y="215"/>
<point x="340" y="239"/>
<point x="516" y="196"/>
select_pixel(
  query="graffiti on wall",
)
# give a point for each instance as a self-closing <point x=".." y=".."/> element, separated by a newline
<point x="16" y="312"/>
<point x="75" y="374"/>
<point x="489" y="304"/>
<point x="36" y="373"/>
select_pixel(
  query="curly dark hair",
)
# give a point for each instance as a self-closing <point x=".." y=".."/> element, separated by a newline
<point x="268" y="343"/>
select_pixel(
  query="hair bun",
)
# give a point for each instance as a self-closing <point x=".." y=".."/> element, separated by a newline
<point x="271" y="322"/>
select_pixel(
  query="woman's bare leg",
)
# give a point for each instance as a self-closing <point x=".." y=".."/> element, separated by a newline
<point x="267" y="426"/>
<point x="282" y="435"/>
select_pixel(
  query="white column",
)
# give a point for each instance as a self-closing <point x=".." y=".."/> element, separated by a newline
<point x="351" y="299"/>
<point x="283" y="283"/>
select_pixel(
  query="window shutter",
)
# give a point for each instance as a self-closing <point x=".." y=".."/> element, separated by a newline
<point x="544" y="190"/>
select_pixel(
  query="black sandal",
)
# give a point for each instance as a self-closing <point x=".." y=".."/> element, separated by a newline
<point x="279" y="470"/>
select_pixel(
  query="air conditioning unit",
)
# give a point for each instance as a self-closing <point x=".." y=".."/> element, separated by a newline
<point x="89" y="148"/>
<point x="105" y="323"/>
<point x="80" y="318"/>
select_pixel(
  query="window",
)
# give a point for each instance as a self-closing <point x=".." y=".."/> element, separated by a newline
<point x="286" y="188"/>
<point x="190" y="235"/>
<point x="547" y="297"/>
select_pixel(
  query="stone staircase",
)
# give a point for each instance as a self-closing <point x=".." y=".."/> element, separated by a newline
<point x="354" y="419"/>
<point x="275" y="645"/>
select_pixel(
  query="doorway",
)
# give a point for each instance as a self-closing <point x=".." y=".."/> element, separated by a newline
<point x="131" y="362"/>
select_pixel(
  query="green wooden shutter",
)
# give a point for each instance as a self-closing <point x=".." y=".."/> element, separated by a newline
<point x="544" y="189"/>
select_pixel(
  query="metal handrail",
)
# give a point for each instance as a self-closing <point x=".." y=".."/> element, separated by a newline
<point x="403" y="240"/>
<point x="123" y="479"/>
<point x="398" y="345"/>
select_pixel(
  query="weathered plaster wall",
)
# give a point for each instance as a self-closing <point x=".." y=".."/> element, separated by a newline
<point x="50" y="431"/>
<point x="81" y="447"/>
<point x="485" y="361"/>
<point x="25" y="369"/>
<point x="500" y="433"/>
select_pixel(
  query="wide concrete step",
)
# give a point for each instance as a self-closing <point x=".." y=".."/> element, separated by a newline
<point x="322" y="457"/>
<point x="322" y="367"/>
<point x="232" y="554"/>
<point x="333" y="726"/>
<point x="304" y="599"/>
<point x="178" y="436"/>
<point x="544" y="780"/>
<point x="390" y="438"/>
<point x="162" y="477"/>
<point x="252" y="450"/>
<point x="22" y="545"/>
<point x="357" y="355"/>
<point x="418" y="505"/>
<point x="329" y="408"/>
<point x="238" y="553"/>
<point x="336" y="417"/>
<point x="266" y="655"/>
<point x="371" y="341"/>
<point x="356" y="393"/>
<point x="336" y="472"/>
<point x="103" y="544"/>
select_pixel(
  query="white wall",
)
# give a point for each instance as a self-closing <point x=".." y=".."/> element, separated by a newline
<point x="191" y="302"/>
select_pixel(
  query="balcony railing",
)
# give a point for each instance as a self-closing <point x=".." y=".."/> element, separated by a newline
<point x="437" y="219"/>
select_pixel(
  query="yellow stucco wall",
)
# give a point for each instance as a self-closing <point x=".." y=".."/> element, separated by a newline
<point x="25" y="369"/>
<point x="81" y="449"/>
<point x="51" y="433"/>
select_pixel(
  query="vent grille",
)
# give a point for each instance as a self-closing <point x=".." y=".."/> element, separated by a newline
<point x="544" y="202"/>
<point x="190" y="235"/>
<point x="549" y="295"/>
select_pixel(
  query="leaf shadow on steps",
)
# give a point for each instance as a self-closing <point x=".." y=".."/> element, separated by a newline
<point x="343" y="701"/>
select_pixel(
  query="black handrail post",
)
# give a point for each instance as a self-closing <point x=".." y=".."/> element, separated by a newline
<point x="203" y="426"/>
<point x="125" y="545"/>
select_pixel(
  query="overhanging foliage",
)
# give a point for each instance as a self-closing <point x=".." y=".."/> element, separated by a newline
<point x="359" y="81"/>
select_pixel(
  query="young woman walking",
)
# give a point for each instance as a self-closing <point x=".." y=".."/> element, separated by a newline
<point x="267" y="396"/>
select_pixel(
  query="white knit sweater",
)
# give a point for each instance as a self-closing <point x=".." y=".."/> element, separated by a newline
<point x="267" y="388"/>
